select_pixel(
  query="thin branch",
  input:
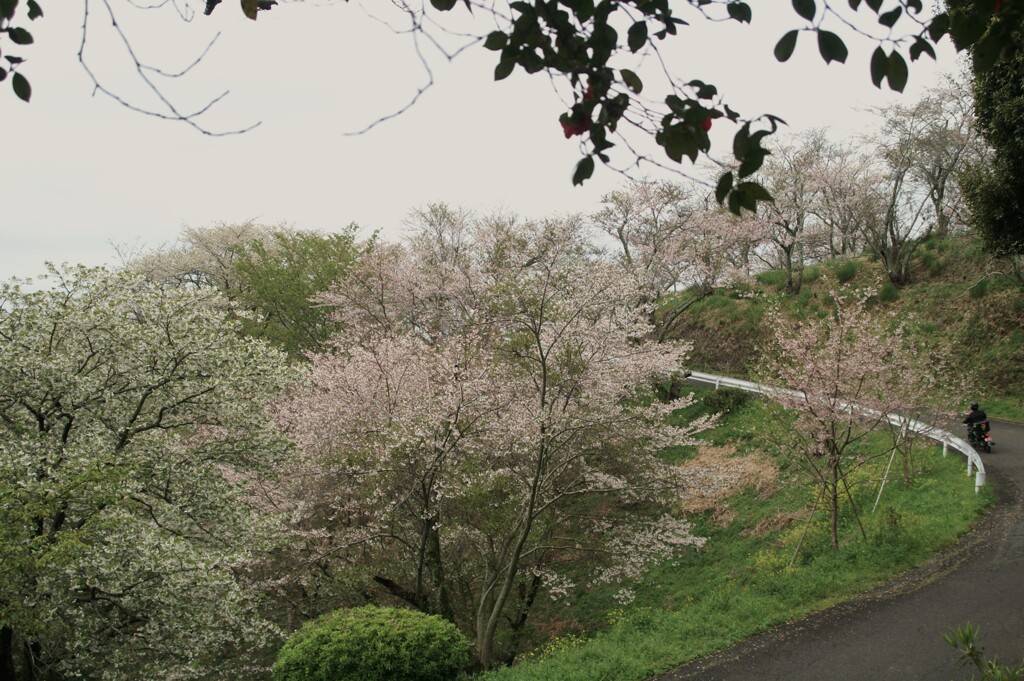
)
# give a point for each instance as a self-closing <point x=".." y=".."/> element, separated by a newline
<point x="144" y="72"/>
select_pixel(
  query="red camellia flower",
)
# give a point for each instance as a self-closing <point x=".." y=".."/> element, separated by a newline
<point x="574" y="126"/>
<point x="705" y="124"/>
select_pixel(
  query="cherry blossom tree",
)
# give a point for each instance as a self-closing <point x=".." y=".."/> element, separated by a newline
<point x="937" y="136"/>
<point x="131" y="430"/>
<point x="677" y="241"/>
<point x="848" y="201"/>
<point x="830" y="199"/>
<point x="843" y="374"/>
<point x="791" y="174"/>
<point x="478" y="433"/>
<point x="648" y="221"/>
<point x="920" y="151"/>
<point x="202" y="256"/>
<point x="931" y="378"/>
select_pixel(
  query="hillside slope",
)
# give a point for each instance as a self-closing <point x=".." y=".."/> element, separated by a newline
<point x="959" y="298"/>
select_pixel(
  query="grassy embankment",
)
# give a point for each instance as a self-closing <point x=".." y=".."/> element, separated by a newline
<point x="958" y="297"/>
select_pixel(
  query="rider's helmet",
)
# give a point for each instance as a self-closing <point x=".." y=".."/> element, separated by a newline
<point x="974" y="405"/>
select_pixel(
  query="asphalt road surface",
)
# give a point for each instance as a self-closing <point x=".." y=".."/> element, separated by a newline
<point x="895" y="633"/>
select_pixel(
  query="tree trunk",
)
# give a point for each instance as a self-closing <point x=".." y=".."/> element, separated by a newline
<point x="834" y="503"/>
<point x="439" y="598"/>
<point x="794" y="268"/>
<point x="669" y="319"/>
<point x="30" y="653"/>
<point x="7" y="654"/>
<point x="527" y="595"/>
<point x="395" y="589"/>
<point x="483" y="610"/>
<point x="939" y="205"/>
<point x="486" y="644"/>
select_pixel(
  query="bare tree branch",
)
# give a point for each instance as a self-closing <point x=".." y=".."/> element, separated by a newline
<point x="147" y="72"/>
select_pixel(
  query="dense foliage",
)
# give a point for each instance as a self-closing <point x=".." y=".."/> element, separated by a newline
<point x="272" y="274"/>
<point x="279" y="279"/>
<point x="996" y="185"/>
<point x="373" y="644"/>
<point x="131" y="432"/>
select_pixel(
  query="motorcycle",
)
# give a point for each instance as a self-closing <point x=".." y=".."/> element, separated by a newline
<point x="980" y="436"/>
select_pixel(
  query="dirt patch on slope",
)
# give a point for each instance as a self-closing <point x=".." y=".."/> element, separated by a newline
<point x="716" y="474"/>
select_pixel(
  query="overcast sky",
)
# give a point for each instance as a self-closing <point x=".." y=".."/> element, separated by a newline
<point x="80" y="173"/>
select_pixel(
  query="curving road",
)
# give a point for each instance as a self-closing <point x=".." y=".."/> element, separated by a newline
<point x="895" y="633"/>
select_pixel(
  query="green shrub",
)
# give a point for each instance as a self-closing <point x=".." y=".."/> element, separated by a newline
<point x="373" y="644"/>
<point x="980" y="289"/>
<point x="725" y="399"/>
<point x="964" y="639"/>
<point x="812" y="274"/>
<point x="936" y="243"/>
<point x="776" y="278"/>
<point x="671" y="387"/>
<point x="888" y="293"/>
<point x="846" y="270"/>
<point x="932" y="263"/>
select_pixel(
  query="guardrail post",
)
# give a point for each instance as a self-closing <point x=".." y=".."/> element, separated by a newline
<point x="979" y="481"/>
<point x="970" y="466"/>
<point x="945" y="449"/>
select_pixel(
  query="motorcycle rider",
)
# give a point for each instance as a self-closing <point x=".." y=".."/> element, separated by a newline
<point x="976" y="415"/>
<point x="977" y="426"/>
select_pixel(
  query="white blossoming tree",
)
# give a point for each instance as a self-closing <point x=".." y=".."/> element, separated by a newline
<point x="478" y="427"/>
<point x="131" y="429"/>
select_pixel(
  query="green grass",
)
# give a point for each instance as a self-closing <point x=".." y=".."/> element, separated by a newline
<point x="741" y="582"/>
<point x="774" y="278"/>
<point x="1008" y="408"/>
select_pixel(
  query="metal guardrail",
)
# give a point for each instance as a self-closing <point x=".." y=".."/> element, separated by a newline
<point x="974" y="464"/>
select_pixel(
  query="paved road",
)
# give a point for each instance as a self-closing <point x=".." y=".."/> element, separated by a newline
<point x="895" y="634"/>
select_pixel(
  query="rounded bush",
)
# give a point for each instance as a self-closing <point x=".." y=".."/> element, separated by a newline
<point x="373" y="644"/>
<point x="846" y="271"/>
<point x="726" y="399"/>
<point x="888" y="292"/>
<point x="932" y="263"/>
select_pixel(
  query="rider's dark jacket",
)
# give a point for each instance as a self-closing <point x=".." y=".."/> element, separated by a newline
<point x="976" y="416"/>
